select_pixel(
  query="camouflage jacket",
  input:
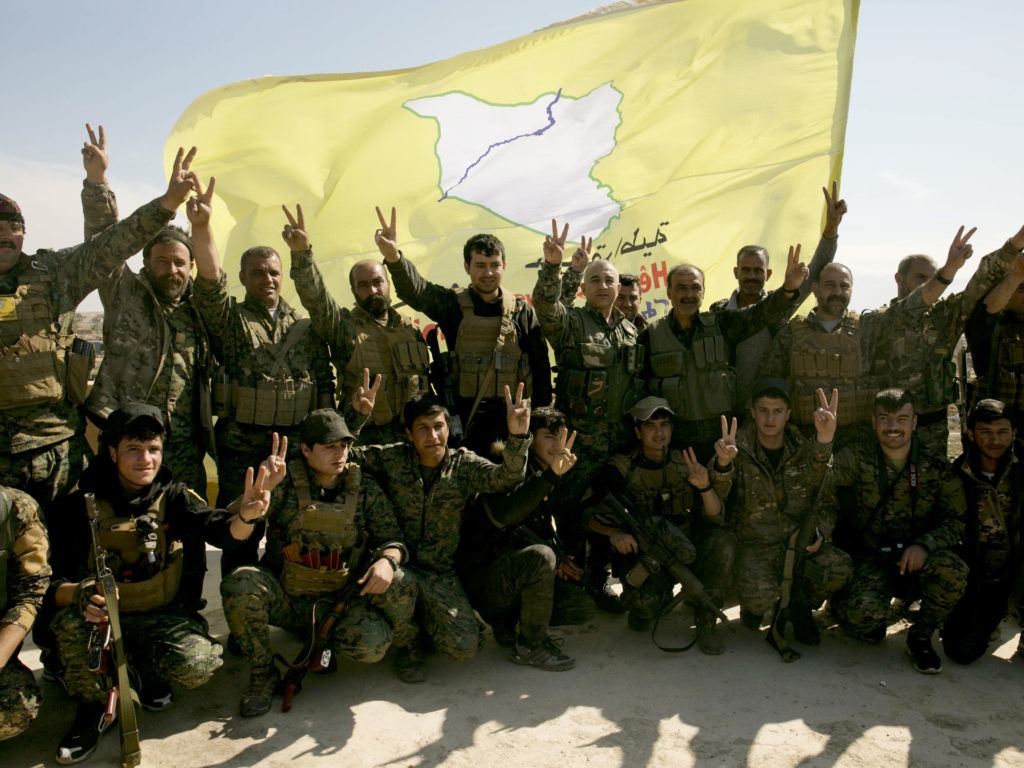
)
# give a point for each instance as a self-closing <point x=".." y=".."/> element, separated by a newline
<point x="768" y="503"/>
<point x="24" y="549"/>
<point x="879" y="506"/>
<point x="81" y="269"/>
<point x="429" y="504"/>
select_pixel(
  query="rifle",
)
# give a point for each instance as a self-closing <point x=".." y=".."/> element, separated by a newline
<point x="106" y="646"/>
<point x="652" y="544"/>
<point x="440" y="376"/>
<point x="792" y="571"/>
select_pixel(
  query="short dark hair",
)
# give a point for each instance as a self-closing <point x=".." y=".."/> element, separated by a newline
<point x="752" y="250"/>
<point x="166" y="236"/>
<point x="987" y="411"/>
<point x="891" y="400"/>
<point x="683" y="268"/>
<point x="488" y="245"/>
<point x="547" y="418"/>
<point x="258" y="252"/>
<point x="628" y="279"/>
<point x="771" y="391"/>
<point x="423" y="405"/>
<point x="141" y="432"/>
<point x="908" y="261"/>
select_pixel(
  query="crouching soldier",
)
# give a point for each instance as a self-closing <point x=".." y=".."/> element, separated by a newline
<point x="332" y="540"/>
<point x="511" y="560"/>
<point x="145" y="522"/>
<point x="683" y="499"/>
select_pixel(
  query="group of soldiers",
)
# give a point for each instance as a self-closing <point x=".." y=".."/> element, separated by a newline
<point x="401" y="495"/>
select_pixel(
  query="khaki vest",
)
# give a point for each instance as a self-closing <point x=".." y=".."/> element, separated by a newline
<point x="662" y="491"/>
<point x="329" y="529"/>
<point x="398" y="353"/>
<point x="484" y="342"/>
<point x="145" y="582"/>
<point x="829" y="360"/>
<point x="699" y="383"/>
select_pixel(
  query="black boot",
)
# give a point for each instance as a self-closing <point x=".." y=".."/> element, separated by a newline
<point x="83" y="736"/>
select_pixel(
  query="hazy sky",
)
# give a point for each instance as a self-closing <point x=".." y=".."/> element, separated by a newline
<point x="933" y="138"/>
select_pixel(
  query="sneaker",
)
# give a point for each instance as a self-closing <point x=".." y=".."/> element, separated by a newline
<point x="83" y="736"/>
<point x="606" y="598"/>
<point x="805" y="628"/>
<point x="750" y="620"/>
<point x="546" y="655"/>
<point x="922" y="654"/>
<point x="638" y="623"/>
<point x="410" y="665"/>
<point x="259" y="696"/>
<point x="708" y="639"/>
<point x="155" y="695"/>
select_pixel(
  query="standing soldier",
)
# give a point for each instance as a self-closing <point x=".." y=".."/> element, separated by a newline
<point x="627" y="300"/>
<point x="155" y="345"/>
<point x="372" y="335"/>
<point x="494" y="335"/>
<point x="899" y="523"/>
<point x="44" y="370"/>
<point x="780" y="476"/>
<point x="918" y="355"/>
<point x="24" y="577"/>
<point x="689" y="353"/>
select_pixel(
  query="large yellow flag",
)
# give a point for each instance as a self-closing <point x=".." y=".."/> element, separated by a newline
<point x="668" y="131"/>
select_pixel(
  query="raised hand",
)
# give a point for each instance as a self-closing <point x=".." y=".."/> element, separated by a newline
<point x="959" y="252"/>
<point x="554" y="244"/>
<point x="825" y="419"/>
<point x="294" y="232"/>
<point x="200" y="204"/>
<point x="256" y="497"/>
<point x="835" y="209"/>
<point x="181" y="183"/>
<point x="566" y="459"/>
<point x="276" y="463"/>
<point x="365" y="396"/>
<point x="517" y="413"/>
<point x="94" y="156"/>
<point x="581" y="256"/>
<point x="725" y="446"/>
<point x="697" y="472"/>
<point x="796" y="270"/>
<point x="387" y="236"/>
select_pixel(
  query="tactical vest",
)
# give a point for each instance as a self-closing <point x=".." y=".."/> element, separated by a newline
<point x="398" y="353"/>
<point x="484" y="343"/>
<point x="50" y="374"/>
<point x="147" y="577"/>
<point x="1004" y="379"/>
<point x="324" y="543"/>
<point x="914" y="359"/>
<point x="6" y="543"/>
<point x="699" y="383"/>
<point x="597" y="377"/>
<point x="829" y="360"/>
<point x="662" y="491"/>
<point x="271" y="398"/>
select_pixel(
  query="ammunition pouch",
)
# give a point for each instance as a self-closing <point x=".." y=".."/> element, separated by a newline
<point x="155" y="592"/>
<point x="298" y="580"/>
<point x="32" y="378"/>
<point x="282" y="402"/>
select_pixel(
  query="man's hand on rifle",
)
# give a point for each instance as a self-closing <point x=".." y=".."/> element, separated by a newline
<point x="378" y="577"/>
<point x="517" y="413"/>
<point x="276" y="464"/>
<point x="365" y="396"/>
<point x="623" y="542"/>
<point x="568" y="570"/>
<point x="725" y="446"/>
<point x="825" y="416"/>
<point x="566" y="459"/>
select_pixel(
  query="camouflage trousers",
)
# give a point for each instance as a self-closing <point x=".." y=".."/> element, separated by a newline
<point x="443" y="613"/>
<point x="160" y="645"/>
<point x="19" y="698"/>
<point x="716" y="551"/>
<point x="862" y="607"/>
<point x="46" y="473"/>
<point x="758" y="575"/>
<point x="254" y="601"/>
<point x="966" y="631"/>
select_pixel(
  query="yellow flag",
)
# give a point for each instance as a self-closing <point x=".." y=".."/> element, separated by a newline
<point x="667" y="131"/>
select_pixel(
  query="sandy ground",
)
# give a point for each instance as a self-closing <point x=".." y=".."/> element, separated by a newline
<point x="625" y="704"/>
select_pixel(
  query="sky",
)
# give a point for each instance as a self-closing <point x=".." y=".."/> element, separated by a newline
<point x="932" y="142"/>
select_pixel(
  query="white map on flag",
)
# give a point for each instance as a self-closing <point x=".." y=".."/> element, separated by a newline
<point x="528" y="163"/>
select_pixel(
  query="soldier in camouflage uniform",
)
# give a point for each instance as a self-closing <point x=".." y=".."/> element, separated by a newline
<point x="627" y="300"/>
<point x="429" y="484"/>
<point x="751" y="272"/>
<point x="778" y="483"/>
<point x="899" y="523"/>
<point x="493" y="335"/>
<point x="510" y="558"/>
<point x="145" y="516"/>
<point x="992" y="486"/>
<point x="372" y="335"/>
<point x="654" y="481"/>
<point x="918" y="355"/>
<point x="44" y="371"/>
<point x="155" y="343"/>
<point x="24" y="577"/>
<point x="328" y="524"/>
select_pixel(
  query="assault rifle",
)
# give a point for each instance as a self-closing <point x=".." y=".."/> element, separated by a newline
<point x="106" y="649"/>
<point x="659" y="554"/>
<point x="792" y="573"/>
<point x="440" y="375"/>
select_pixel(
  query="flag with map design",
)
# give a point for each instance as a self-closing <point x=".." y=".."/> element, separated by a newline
<point x="667" y="131"/>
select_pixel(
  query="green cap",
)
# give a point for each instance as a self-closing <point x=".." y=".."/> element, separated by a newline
<point x="323" y="427"/>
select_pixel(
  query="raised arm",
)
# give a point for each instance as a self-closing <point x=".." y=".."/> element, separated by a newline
<point x="738" y="325"/>
<point x="960" y="251"/>
<point x="99" y="206"/>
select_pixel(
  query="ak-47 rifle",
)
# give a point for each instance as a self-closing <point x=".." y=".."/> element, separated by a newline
<point x="440" y="375"/>
<point x="792" y="572"/>
<point x="658" y="554"/>
<point x="106" y="649"/>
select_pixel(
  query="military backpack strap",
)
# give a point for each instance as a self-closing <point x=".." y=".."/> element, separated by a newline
<point x="297" y="469"/>
<point x="294" y="335"/>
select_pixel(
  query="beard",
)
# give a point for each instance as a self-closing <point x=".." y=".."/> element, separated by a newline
<point x="375" y="305"/>
<point x="169" y="287"/>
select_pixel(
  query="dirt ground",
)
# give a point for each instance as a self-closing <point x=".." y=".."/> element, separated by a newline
<point x="625" y="704"/>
